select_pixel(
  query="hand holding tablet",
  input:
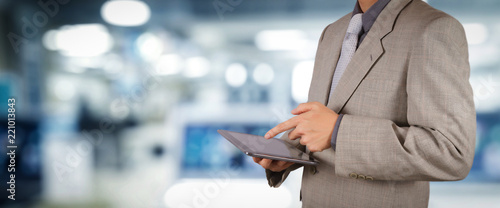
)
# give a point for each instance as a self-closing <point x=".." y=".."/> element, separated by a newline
<point x="272" y="165"/>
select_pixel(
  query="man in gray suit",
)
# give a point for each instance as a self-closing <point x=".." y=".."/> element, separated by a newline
<point x="390" y="108"/>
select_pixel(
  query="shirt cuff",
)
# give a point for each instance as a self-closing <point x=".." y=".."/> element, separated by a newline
<point x="336" y="131"/>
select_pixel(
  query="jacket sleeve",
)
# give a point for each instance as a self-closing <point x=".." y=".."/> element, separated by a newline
<point x="438" y="143"/>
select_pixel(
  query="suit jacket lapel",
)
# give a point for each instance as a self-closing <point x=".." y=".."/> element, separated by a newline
<point x="367" y="54"/>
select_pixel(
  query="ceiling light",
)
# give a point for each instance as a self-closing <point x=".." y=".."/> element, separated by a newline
<point x="197" y="67"/>
<point x="236" y="75"/>
<point x="263" y="74"/>
<point x="150" y="46"/>
<point x="84" y="40"/>
<point x="49" y="40"/>
<point x="280" y="40"/>
<point x="127" y="13"/>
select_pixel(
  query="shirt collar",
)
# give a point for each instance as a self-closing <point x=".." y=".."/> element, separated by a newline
<point x="371" y="15"/>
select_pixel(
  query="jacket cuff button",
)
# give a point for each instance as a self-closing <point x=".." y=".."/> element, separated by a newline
<point x="353" y="175"/>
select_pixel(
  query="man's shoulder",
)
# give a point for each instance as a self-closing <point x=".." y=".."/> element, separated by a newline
<point x="420" y="14"/>
<point x="422" y="21"/>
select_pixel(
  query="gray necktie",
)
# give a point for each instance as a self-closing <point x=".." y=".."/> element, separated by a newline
<point x="348" y="48"/>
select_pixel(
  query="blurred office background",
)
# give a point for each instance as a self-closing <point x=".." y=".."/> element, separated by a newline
<point x="118" y="102"/>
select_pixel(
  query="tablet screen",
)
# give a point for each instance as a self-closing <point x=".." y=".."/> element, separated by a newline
<point x="258" y="145"/>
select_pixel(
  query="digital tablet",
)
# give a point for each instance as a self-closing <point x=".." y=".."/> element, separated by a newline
<point x="275" y="149"/>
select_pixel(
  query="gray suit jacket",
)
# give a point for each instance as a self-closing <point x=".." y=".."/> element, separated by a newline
<point x="409" y="111"/>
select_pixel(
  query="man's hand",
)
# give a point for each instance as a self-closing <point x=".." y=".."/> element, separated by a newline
<point x="313" y="124"/>
<point x="273" y="165"/>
